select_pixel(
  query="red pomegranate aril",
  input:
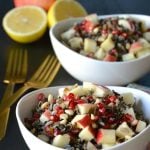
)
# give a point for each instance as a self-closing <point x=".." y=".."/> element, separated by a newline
<point x="54" y="118"/>
<point x="127" y="118"/>
<point x="80" y="101"/>
<point x="56" y="132"/>
<point x="125" y="35"/>
<point x="36" y="115"/>
<point x="70" y="97"/>
<point x="41" y="97"/>
<point x="72" y="105"/>
<point x="112" y="98"/>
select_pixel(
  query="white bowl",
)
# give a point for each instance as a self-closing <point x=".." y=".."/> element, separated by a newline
<point x="96" y="71"/>
<point x="28" y="102"/>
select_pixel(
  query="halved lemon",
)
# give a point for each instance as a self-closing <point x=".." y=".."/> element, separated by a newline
<point x="25" y="24"/>
<point x="64" y="9"/>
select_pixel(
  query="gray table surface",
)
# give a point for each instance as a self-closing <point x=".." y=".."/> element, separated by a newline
<point x="38" y="50"/>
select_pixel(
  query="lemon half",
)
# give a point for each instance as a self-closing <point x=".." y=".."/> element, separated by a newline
<point x="25" y="24"/>
<point x="64" y="9"/>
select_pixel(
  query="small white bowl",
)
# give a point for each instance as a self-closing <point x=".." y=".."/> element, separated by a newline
<point x="28" y="102"/>
<point x="96" y="71"/>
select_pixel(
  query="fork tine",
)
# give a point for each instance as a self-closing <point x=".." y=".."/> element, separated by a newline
<point x="46" y="69"/>
<point x="40" y="69"/>
<point x="9" y="66"/>
<point x="22" y="66"/>
<point x="52" y="72"/>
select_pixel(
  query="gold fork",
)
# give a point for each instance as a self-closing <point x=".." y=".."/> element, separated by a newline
<point x="16" y="71"/>
<point x="41" y="78"/>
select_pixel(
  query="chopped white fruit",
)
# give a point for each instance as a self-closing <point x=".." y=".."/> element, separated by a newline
<point x="141" y="125"/>
<point x="64" y="121"/>
<point x="77" y="118"/>
<point x="147" y="35"/>
<point x="142" y="53"/>
<point x="105" y="146"/>
<point x="79" y="91"/>
<point x="86" y="108"/>
<point x="101" y="91"/>
<point x="130" y="111"/>
<point x="63" y="91"/>
<point x="128" y="56"/>
<point x="128" y="98"/>
<point x="90" y="45"/>
<point x="108" y="44"/>
<point x="50" y="98"/>
<point x="44" y="105"/>
<point x="125" y="24"/>
<point x="61" y="140"/>
<point x="63" y="116"/>
<point x="76" y="42"/>
<point x="98" y="100"/>
<point x="100" y="54"/>
<point x="106" y="136"/>
<point x="91" y="146"/>
<point x="93" y="18"/>
<point x="67" y="35"/>
<point x="69" y="112"/>
<point x="43" y="137"/>
<point x="86" y="134"/>
<point x="135" y="47"/>
<point x="45" y="116"/>
<point x="124" y="131"/>
<point x="144" y="43"/>
<point x="89" y="86"/>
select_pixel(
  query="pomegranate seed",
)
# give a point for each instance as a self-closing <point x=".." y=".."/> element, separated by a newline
<point x="41" y="97"/>
<point x="107" y="126"/>
<point x="101" y="108"/>
<point x="80" y="101"/>
<point x="125" y="35"/>
<point x="70" y="97"/>
<point x="127" y="118"/>
<point x="116" y="32"/>
<point x="36" y="116"/>
<point x="56" y="132"/>
<point x="72" y="105"/>
<point x="112" y="98"/>
<point x="54" y="118"/>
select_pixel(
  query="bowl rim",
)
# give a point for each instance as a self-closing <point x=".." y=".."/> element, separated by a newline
<point x="19" y="120"/>
<point x="52" y="35"/>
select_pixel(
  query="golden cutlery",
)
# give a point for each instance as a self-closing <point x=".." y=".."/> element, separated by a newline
<point x="40" y="79"/>
<point x="16" y="71"/>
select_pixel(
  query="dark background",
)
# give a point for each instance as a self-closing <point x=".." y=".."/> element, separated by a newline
<point x="38" y="50"/>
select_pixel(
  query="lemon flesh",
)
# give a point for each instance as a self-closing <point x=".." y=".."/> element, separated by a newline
<point x="64" y="9"/>
<point x="25" y="24"/>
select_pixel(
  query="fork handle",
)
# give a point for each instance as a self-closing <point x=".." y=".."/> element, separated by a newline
<point x="11" y="100"/>
<point x="5" y="115"/>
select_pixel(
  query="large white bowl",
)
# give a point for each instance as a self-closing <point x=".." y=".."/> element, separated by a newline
<point x="96" y="71"/>
<point x="28" y="102"/>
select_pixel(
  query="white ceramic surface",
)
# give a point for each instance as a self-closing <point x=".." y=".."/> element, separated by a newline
<point x="28" y="102"/>
<point x="99" y="72"/>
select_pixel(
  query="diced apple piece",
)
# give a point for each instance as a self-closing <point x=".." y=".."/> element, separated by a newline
<point x="61" y="140"/>
<point x="101" y="91"/>
<point x="86" y="108"/>
<point x="125" y="24"/>
<point x="67" y="35"/>
<point x="90" y="146"/>
<point x="144" y="43"/>
<point x="144" y="52"/>
<point x="63" y="91"/>
<point x="147" y="36"/>
<point x="87" y="134"/>
<point x="77" y="118"/>
<point x="106" y="136"/>
<point x="79" y="91"/>
<point x="43" y="137"/>
<point x="110" y="57"/>
<point x="108" y="44"/>
<point x="100" y="54"/>
<point x="128" y="98"/>
<point x="124" y="131"/>
<point x="141" y="125"/>
<point x="45" y="116"/>
<point x="135" y="47"/>
<point x="90" y="45"/>
<point x="93" y="18"/>
<point x="130" y="111"/>
<point x="128" y="56"/>
<point x="76" y="42"/>
<point x="89" y="86"/>
<point x="84" y="122"/>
